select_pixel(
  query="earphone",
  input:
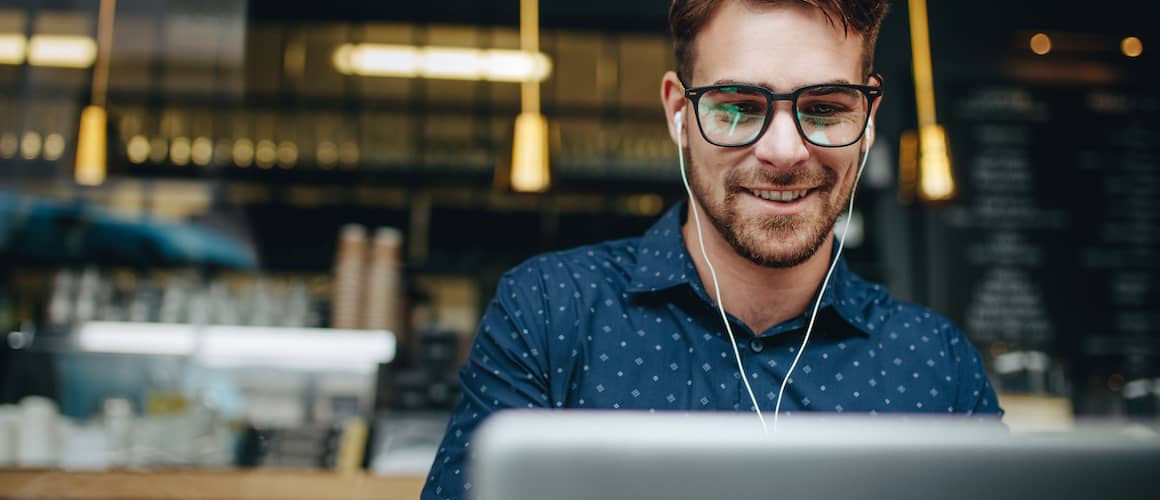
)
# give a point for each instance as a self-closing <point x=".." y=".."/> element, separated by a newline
<point x="679" y="124"/>
<point x="677" y="120"/>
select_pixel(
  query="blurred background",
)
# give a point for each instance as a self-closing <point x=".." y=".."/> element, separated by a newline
<point x="244" y="233"/>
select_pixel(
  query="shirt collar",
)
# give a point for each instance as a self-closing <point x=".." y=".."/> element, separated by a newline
<point x="664" y="263"/>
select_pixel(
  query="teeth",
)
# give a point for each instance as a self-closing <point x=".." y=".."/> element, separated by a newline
<point x="782" y="196"/>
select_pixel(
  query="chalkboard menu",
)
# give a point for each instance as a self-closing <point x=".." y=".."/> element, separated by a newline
<point x="1054" y="240"/>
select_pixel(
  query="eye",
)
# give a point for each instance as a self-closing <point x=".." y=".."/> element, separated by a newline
<point x="746" y="108"/>
<point x="819" y="121"/>
<point x="822" y="109"/>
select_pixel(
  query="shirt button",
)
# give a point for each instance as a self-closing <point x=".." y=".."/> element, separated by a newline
<point x="756" y="345"/>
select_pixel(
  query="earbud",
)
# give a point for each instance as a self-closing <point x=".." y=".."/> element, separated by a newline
<point x="869" y="133"/>
<point x="678" y="121"/>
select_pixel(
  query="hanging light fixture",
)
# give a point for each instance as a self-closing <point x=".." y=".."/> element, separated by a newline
<point x="450" y="63"/>
<point x="935" y="178"/>
<point x="530" y="171"/>
<point x="13" y="47"/>
<point x="92" y="140"/>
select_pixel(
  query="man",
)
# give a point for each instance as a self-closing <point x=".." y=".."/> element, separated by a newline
<point x="775" y="99"/>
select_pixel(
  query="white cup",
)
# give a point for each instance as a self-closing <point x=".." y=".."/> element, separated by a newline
<point x="9" y="418"/>
<point x="83" y="447"/>
<point x="118" y="425"/>
<point x="38" y="444"/>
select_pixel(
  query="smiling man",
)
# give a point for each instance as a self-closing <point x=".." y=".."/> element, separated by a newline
<point x="737" y="300"/>
<point x="772" y="176"/>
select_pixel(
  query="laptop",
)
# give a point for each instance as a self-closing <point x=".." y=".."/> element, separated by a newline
<point x="583" y="455"/>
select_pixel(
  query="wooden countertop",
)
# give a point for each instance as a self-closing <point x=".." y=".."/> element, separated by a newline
<point x="205" y="484"/>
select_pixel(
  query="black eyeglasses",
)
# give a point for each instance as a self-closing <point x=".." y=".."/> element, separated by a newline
<point x="830" y="115"/>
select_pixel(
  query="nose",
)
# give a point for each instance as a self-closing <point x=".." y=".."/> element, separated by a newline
<point x="781" y="146"/>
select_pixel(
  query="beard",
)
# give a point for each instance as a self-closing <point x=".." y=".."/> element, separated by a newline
<point x="774" y="241"/>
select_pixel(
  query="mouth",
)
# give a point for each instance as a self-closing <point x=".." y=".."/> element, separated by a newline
<point x="781" y="196"/>
<point x="781" y="202"/>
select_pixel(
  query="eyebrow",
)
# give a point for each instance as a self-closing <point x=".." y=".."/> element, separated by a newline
<point x="727" y="81"/>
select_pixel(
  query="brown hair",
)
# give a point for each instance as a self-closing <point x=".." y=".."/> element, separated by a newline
<point x="688" y="17"/>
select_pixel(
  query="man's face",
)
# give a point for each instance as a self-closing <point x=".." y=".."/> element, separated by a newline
<point x="780" y="48"/>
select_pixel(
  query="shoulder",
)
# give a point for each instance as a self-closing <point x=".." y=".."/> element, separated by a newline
<point x="871" y="308"/>
<point x="875" y="310"/>
<point x="551" y="294"/>
<point x="893" y="317"/>
<point x="609" y="261"/>
<point x="923" y="330"/>
<point x="921" y="333"/>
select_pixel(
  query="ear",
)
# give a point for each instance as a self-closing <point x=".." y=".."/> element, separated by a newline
<point x="673" y="100"/>
<point x="870" y="129"/>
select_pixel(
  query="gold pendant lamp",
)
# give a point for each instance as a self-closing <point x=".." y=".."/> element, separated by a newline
<point x="926" y="151"/>
<point x="530" y="172"/>
<point x="92" y="157"/>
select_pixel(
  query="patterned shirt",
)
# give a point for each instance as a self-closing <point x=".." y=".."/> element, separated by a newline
<point x="628" y="324"/>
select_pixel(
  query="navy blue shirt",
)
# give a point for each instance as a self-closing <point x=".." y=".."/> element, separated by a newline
<point x="628" y="324"/>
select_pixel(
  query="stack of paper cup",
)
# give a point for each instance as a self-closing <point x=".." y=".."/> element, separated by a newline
<point x="118" y="422"/>
<point x="348" y="278"/>
<point x="382" y="310"/>
<point x="60" y="304"/>
<point x="9" y="417"/>
<point x="82" y="446"/>
<point x="38" y="442"/>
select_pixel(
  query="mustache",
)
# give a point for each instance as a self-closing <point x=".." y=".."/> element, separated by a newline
<point x="824" y="178"/>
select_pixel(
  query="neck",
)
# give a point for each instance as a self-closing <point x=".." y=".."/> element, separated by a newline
<point x="759" y="296"/>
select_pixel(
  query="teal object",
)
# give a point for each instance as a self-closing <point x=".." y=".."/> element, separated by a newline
<point x="37" y="231"/>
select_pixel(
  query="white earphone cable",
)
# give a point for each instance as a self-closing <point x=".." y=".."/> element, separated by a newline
<point x="717" y="289"/>
<point x="713" y="274"/>
<point x="821" y="291"/>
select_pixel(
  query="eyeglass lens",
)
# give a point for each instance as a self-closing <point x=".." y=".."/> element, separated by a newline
<point x="827" y="115"/>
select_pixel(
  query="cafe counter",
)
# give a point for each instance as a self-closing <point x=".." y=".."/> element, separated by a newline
<point x="205" y="484"/>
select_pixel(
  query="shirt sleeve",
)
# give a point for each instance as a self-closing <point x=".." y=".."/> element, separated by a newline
<point x="506" y="368"/>
<point x="976" y="395"/>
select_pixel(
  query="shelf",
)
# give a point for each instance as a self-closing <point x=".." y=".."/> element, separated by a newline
<point x="303" y="349"/>
<point x="1105" y="345"/>
<point x="217" y="485"/>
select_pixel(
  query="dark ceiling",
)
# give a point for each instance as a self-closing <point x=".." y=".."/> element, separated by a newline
<point x="598" y="15"/>
<point x="977" y="17"/>
<point x="969" y="36"/>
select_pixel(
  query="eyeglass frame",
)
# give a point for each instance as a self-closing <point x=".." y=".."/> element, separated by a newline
<point x="871" y="92"/>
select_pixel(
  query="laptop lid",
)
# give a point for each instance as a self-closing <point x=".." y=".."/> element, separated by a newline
<point x="575" y="455"/>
